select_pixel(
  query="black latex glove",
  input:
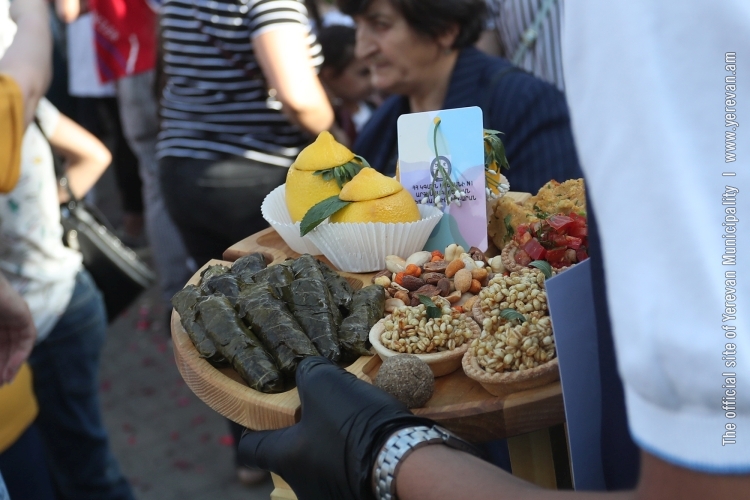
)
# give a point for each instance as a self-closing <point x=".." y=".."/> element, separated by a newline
<point x="331" y="451"/>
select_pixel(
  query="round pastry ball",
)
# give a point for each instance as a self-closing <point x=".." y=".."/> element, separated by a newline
<point x="407" y="378"/>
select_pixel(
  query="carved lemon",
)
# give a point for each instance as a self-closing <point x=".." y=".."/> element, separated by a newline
<point x="318" y="173"/>
<point x="376" y="198"/>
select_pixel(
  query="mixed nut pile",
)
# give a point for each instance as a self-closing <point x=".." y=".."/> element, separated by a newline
<point x="452" y="278"/>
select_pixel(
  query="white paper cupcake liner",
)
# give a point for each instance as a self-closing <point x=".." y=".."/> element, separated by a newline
<point x="276" y="213"/>
<point x="363" y="247"/>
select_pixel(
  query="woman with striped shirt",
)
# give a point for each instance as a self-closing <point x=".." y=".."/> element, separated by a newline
<point x="241" y="99"/>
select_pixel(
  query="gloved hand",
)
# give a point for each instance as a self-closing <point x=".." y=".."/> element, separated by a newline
<point x="331" y="451"/>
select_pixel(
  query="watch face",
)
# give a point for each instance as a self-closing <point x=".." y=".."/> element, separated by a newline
<point x="436" y="172"/>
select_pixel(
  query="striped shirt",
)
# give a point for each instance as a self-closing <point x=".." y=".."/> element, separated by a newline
<point x="511" y="18"/>
<point x="216" y="101"/>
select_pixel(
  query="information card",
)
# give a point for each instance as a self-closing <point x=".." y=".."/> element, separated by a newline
<point x="454" y="138"/>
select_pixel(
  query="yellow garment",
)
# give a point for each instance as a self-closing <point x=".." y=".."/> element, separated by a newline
<point x="11" y="133"/>
<point x="18" y="407"/>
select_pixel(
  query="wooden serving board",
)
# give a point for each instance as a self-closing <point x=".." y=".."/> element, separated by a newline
<point x="458" y="403"/>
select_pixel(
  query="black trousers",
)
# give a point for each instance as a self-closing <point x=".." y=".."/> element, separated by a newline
<point x="216" y="203"/>
<point x="101" y="117"/>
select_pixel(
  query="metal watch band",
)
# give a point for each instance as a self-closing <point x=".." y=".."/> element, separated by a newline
<point x="400" y="445"/>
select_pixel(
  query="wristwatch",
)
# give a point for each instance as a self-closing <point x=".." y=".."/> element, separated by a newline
<point x="400" y="445"/>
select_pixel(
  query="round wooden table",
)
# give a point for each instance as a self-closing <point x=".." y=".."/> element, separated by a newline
<point x="459" y="403"/>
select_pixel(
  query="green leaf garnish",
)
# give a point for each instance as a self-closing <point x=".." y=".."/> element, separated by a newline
<point x="433" y="311"/>
<point x="343" y="173"/>
<point x="509" y="231"/>
<point x="543" y="266"/>
<point x="540" y="214"/>
<point x="320" y="212"/>
<point x="512" y="315"/>
<point x="496" y="153"/>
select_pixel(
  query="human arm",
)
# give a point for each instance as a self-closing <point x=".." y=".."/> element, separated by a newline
<point x="284" y="57"/>
<point x="28" y="59"/>
<point x="347" y="420"/>
<point x="86" y="158"/>
<point x="68" y="10"/>
<point x="17" y="331"/>
<point x="659" y="480"/>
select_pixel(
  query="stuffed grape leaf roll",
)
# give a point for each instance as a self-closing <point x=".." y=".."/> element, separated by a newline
<point x="312" y="306"/>
<point x="261" y="307"/>
<point x="246" y="267"/>
<point x="368" y="305"/>
<point x="280" y="275"/>
<point x="185" y="302"/>
<point x="340" y="289"/>
<point x="210" y="272"/>
<point x="226" y="284"/>
<point x="239" y="345"/>
<point x="307" y="266"/>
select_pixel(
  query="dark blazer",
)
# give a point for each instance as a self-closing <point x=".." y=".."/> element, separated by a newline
<point x="531" y="113"/>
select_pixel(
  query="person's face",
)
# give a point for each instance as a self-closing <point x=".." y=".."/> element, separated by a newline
<point x="351" y="85"/>
<point x="400" y="58"/>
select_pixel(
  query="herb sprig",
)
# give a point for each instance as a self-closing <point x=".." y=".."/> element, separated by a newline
<point x="343" y="173"/>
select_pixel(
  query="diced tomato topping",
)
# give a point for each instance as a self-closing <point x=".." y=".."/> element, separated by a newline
<point x="574" y="243"/>
<point x="535" y="250"/>
<point x="521" y="230"/>
<point x="524" y="238"/>
<point x="578" y="232"/>
<point x="582" y="254"/>
<point x="559" y="222"/>
<point x="559" y="240"/>
<point x="522" y="258"/>
<point x="578" y="220"/>
<point x="556" y="256"/>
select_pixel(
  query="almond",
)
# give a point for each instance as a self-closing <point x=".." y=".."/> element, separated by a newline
<point x="477" y="254"/>
<point x="462" y="279"/>
<point x="412" y="283"/>
<point x="438" y="266"/>
<point x="428" y="290"/>
<point x="454" y="267"/>
<point x="432" y="278"/>
<point x="445" y="286"/>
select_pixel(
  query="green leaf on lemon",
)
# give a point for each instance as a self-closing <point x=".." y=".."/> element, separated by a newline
<point x="320" y="212"/>
<point x="343" y="173"/>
